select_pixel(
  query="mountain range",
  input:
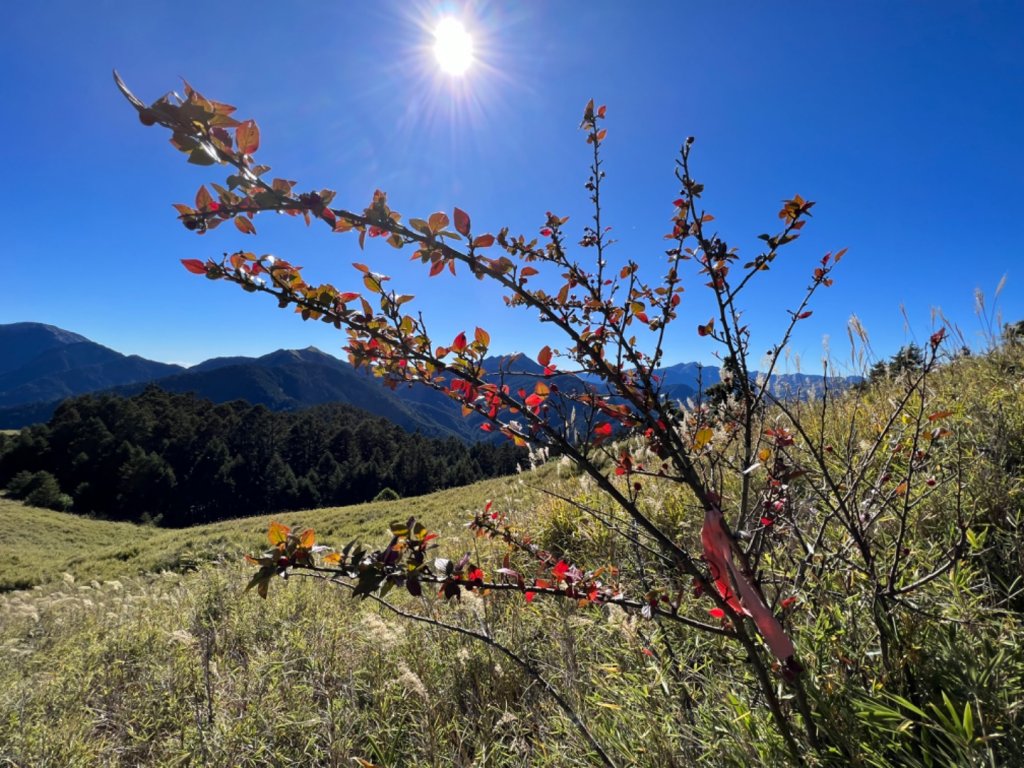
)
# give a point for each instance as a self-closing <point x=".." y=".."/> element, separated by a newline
<point x="41" y="365"/>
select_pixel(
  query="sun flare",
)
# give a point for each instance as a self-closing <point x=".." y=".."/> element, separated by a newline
<point x="453" y="46"/>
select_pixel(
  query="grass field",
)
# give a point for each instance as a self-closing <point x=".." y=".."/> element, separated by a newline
<point x="137" y="646"/>
<point x="42" y="545"/>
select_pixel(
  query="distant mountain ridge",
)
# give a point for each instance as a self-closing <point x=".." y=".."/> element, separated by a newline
<point x="41" y="365"/>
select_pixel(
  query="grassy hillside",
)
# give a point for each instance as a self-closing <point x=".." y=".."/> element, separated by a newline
<point x="43" y="544"/>
<point x="137" y="646"/>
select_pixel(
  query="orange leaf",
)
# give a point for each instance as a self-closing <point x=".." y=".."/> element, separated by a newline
<point x="195" y="266"/>
<point x="277" y="533"/>
<point x="244" y="225"/>
<point x="939" y="415"/>
<point x="482" y="337"/>
<point x="307" y="538"/>
<point x="483" y="241"/>
<point x="437" y="222"/>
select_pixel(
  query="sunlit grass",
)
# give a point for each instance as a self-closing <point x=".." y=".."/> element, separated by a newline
<point x="137" y="645"/>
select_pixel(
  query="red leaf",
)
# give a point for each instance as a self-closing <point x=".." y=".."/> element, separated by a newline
<point x="718" y="613"/>
<point x="527" y="272"/>
<point x="437" y="267"/>
<point x="560" y="569"/>
<point x="244" y="225"/>
<point x="804" y="315"/>
<point x="195" y="266"/>
<point x="460" y="342"/>
<point x="462" y="222"/>
<point x="604" y="429"/>
<point x="530" y="596"/>
<point x="483" y="241"/>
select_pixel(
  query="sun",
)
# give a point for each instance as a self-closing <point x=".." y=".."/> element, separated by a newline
<point x="453" y="47"/>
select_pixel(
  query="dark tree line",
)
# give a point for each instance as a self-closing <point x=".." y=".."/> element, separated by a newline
<point x="181" y="460"/>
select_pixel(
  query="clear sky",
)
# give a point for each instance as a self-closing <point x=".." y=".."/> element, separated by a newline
<point x="903" y="120"/>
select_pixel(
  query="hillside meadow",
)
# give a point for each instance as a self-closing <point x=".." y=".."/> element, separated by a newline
<point x="132" y="645"/>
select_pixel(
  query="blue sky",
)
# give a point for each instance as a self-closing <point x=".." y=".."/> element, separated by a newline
<point x="902" y="120"/>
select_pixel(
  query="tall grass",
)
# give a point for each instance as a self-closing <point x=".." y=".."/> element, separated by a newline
<point x="136" y="646"/>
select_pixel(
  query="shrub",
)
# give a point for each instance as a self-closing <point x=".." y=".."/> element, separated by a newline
<point x="386" y="494"/>
<point x="39" y="489"/>
<point x="799" y="534"/>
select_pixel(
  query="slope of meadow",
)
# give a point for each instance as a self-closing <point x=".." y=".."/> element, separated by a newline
<point x="137" y="646"/>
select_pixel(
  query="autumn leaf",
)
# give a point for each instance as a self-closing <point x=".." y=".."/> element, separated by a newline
<point x="702" y="438"/>
<point x="203" y="198"/>
<point x="462" y="222"/>
<point x="544" y="357"/>
<point x="277" y="533"/>
<point x="247" y="137"/>
<point x="307" y="538"/>
<point x="437" y="222"/>
<point x="195" y="266"/>
<point x="245" y="226"/>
